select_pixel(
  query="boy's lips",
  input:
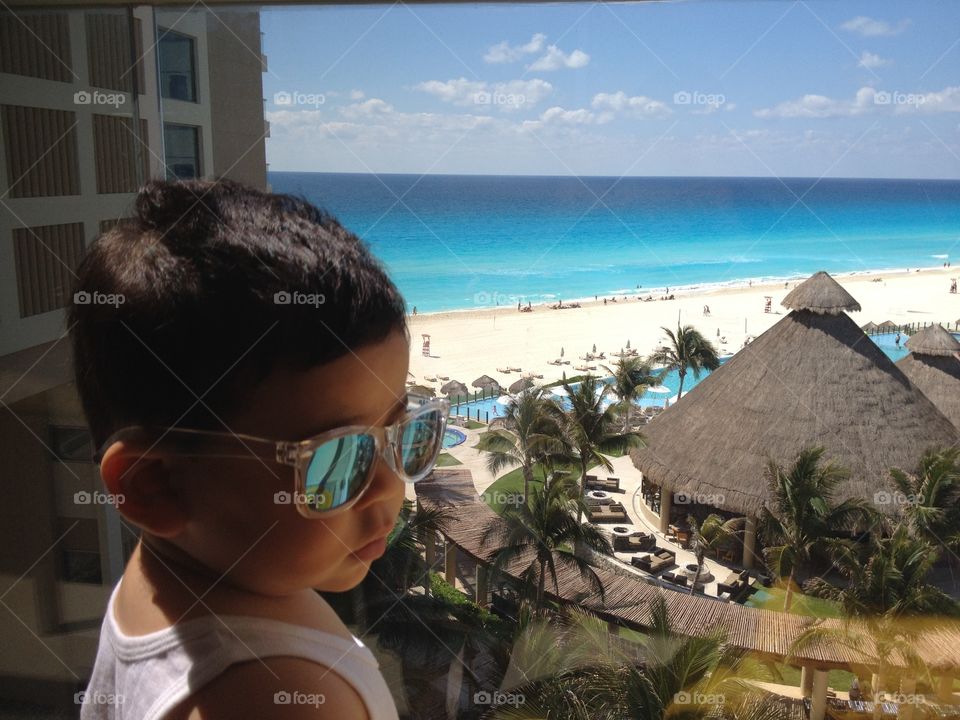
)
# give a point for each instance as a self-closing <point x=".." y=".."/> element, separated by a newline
<point x="372" y="550"/>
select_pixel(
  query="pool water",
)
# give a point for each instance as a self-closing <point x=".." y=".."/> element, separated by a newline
<point x="452" y="438"/>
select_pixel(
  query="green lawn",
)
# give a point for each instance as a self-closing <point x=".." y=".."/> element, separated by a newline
<point x="772" y="599"/>
<point x="512" y="483"/>
<point x="446" y="460"/>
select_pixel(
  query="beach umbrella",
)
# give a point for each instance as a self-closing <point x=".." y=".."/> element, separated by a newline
<point x="628" y="343"/>
<point x="422" y="390"/>
<point x="658" y="389"/>
<point x="520" y="385"/>
<point x="485" y="382"/>
<point x="561" y="352"/>
<point x="887" y="325"/>
<point x="869" y="327"/>
<point x="454" y="387"/>
<point x="933" y="366"/>
<point x="594" y="347"/>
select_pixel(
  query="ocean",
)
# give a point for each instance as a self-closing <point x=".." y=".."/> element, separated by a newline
<point x="457" y="242"/>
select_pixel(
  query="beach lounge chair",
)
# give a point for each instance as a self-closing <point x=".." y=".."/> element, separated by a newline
<point x="675" y="578"/>
<point x="582" y="368"/>
<point x="608" y="485"/>
<point x="656" y="562"/>
<point x="734" y="583"/>
<point x="503" y="370"/>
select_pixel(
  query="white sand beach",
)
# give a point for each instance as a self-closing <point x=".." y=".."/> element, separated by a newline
<point x="467" y="344"/>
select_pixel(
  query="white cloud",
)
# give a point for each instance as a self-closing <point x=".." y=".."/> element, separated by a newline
<point x="505" y="96"/>
<point x="867" y="100"/>
<point x="368" y="108"/>
<point x="636" y="105"/>
<point x="868" y="27"/>
<point x="556" y="59"/>
<point x="357" y="95"/>
<point x="870" y="61"/>
<point x="504" y="52"/>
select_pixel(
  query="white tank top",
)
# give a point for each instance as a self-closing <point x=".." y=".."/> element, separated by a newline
<point x="144" y="677"/>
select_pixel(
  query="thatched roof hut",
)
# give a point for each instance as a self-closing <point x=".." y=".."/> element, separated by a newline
<point x="421" y="390"/>
<point x="887" y="325"/>
<point x="869" y="327"/>
<point x="520" y="385"/>
<point x="454" y="387"/>
<point x="813" y="379"/>
<point x="486" y="382"/>
<point x="934" y="366"/>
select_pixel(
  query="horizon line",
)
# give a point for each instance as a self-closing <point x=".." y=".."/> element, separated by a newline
<point x="621" y="177"/>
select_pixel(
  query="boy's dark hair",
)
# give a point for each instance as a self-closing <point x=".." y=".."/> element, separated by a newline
<point x="210" y="287"/>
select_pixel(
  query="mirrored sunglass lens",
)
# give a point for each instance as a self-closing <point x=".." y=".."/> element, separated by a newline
<point x="419" y="443"/>
<point x="337" y="470"/>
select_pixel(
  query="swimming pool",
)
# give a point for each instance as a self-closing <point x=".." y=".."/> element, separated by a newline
<point x="452" y="438"/>
<point x="888" y="343"/>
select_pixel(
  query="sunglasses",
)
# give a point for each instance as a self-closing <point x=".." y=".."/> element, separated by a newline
<point x="332" y="470"/>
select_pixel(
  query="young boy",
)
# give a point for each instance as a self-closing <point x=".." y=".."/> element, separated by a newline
<point x="242" y="360"/>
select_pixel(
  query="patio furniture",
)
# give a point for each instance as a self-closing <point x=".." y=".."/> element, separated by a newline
<point x="660" y="560"/>
<point x="635" y="543"/>
<point x="675" y="578"/>
<point x="607" y="513"/>
<point x="734" y="584"/>
<point x="610" y="484"/>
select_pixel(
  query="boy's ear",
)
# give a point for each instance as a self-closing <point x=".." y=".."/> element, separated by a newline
<point x="143" y="488"/>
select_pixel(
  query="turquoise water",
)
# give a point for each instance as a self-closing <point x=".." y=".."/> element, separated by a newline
<point x="463" y="242"/>
<point x="493" y="407"/>
<point x="452" y="438"/>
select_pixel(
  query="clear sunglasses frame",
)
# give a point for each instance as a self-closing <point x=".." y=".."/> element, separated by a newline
<point x="388" y="445"/>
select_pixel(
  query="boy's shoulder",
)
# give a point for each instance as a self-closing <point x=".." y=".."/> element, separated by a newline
<point x="275" y="687"/>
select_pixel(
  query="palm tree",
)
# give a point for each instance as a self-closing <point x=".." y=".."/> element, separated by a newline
<point x="801" y="515"/>
<point x="631" y="378"/>
<point x="709" y="536"/>
<point x="589" y="427"/>
<point x="687" y="350"/>
<point x="545" y="530"/>
<point x="931" y="497"/>
<point x="580" y="670"/>
<point x="885" y="596"/>
<point x="531" y="433"/>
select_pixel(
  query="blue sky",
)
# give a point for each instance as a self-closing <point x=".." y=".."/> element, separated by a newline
<point x="815" y="88"/>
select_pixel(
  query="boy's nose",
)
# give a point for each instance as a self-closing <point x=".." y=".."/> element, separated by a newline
<point x="386" y="485"/>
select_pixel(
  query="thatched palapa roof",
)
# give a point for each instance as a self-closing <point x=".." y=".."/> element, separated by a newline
<point x="520" y="385"/>
<point x="820" y="294"/>
<point x="813" y="379"/>
<point x="485" y="381"/>
<point x="869" y="327"/>
<point x="934" y="367"/>
<point x="454" y="387"/>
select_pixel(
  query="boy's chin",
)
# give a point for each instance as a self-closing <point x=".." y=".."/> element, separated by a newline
<point x="352" y="573"/>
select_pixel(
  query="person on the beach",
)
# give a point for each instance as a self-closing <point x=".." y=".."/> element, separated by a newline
<point x="896" y="340"/>
<point x="414" y="309"/>
<point x="248" y="401"/>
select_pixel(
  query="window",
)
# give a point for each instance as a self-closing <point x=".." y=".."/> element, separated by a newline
<point x="71" y="444"/>
<point x="79" y="551"/>
<point x="178" y="73"/>
<point x="181" y="151"/>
